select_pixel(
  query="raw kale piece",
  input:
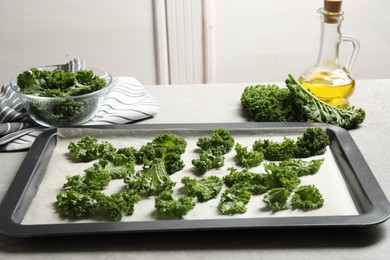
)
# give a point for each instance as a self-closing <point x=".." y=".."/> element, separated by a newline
<point x="118" y="204"/>
<point x="167" y="206"/>
<point x="276" y="198"/>
<point x="269" y="103"/>
<point x="207" y="161"/>
<point x="88" y="149"/>
<point x="234" y="200"/>
<point x="95" y="178"/>
<point x="73" y="204"/>
<point x="167" y="147"/>
<point x="220" y="142"/>
<point x="282" y="177"/>
<point x="319" y="111"/>
<point x="301" y="167"/>
<point x="117" y="165"/>
<point x="156" y="179"/>
<point x="58" y="83"/>
<point x="247" y="158"/>
<point x="255" y="183"/>
<point x="307" y="197"/>
<point x="213" y="148"/>
<point x="313" y="142"/>
<point x="276" y="151"/>
<point x="204" y="189"/>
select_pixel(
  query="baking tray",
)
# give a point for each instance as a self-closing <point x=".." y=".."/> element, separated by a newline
<point x="371" y="204"/>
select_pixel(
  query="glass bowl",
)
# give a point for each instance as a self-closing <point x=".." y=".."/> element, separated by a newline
<point x="64" y="111"/>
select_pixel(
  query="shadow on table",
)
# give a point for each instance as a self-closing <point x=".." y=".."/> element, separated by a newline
<point x="200" y="240"/>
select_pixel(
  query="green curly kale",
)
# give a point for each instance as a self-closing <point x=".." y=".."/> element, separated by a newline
<point x="82" y="195"/>
<point x="95" y="178"/>
<point x="213" y="149"/>
<point x="58" y="83"/>
<point x="220" y="142"/>
<point x="65" y="110"/>
<point x="88" y="149"/>
<point x="173" y="162"/>
<point x="318" y="111"/>
<point x="313" y="142"/>
<point x="167" y="206"/>
<point x="234" y="200"/>
<point x="33" y="81"/>
<point x="255" y="183"/>
<point x="117" y="165"/>
<point x="276" y="151"/>
<point x="129" y="152"/>
<point x="282" y="177"/>
<point x="74" y="204"/>
<point x="269" y="103"/>
<point x="117" y="205"/>
<point x="204" y="189"/>
<point x="307" y="197"/>
<point x="167" y="147"/>
<point x="171" y="142"/>
<point x="161" y="145"/>
<point x="302" y="168"/>
<point x="156" y="179"/>
<point x="152" y="181"/>
<point x="207" y="161"/>
<point x="246" y="158"/>
<point x="276" y="198"/>
<point x="134" y="181"/>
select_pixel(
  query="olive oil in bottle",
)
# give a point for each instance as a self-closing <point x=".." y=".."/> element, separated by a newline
<point x="328" y="80"/>
<point x="332" y="87"/>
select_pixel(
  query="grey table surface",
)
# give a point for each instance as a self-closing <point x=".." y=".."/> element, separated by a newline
<point x="214" y="104"/>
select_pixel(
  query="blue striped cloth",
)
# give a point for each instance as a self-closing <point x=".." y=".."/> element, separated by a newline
<point x="126" y="101"/>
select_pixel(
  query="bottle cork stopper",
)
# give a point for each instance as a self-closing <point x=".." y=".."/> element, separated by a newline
<point x="333" y="6"/>
<point x="332" y="12"/>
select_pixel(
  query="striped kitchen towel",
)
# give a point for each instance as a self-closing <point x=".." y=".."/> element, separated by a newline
<point x="125" y="102"/>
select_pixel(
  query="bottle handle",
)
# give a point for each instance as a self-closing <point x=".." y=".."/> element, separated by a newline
<point x="355" y="51"/>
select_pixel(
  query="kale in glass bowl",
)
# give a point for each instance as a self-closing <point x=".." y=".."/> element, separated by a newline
<point x="54" y="98"/>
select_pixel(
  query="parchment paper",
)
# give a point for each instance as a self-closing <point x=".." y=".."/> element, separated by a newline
<point x="328" y="180"/>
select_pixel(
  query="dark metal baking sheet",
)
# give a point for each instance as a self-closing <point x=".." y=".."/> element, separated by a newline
<point x="369" y="199"/>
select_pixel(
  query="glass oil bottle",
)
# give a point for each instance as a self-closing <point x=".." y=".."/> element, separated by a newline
<point x="328" y="80"/>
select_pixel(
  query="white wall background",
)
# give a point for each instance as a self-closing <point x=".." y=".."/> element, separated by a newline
<point x="260" y="40"/>
<point x="116" y="35"/>
<point x="246" y="40"/>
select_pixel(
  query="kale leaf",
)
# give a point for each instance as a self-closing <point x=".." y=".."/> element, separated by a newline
<point x="58" y="83"/>
<point x="247" y="158"/>
<point x="220" y="142"/>
<point x="307" y="197"/>
<point x="88" y="149"/>
<point x="276" y="198"/>
<point x="207" y="161"/>
<point x="204" y="189"/>
<point x="234" y="200"/>
<point x="269" y="103"/>
<point x="255" y="183"/>
<point x="167" y="206"/>
<point x="301" y="167"/>
<point x="313" y="142"/>
<point x="319" y="111"/>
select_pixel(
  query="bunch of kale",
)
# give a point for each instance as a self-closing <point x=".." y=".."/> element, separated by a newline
<point x="270" y="103"/>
